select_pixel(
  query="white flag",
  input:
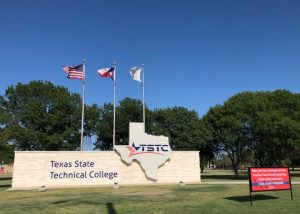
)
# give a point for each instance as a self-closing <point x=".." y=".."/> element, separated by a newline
<point x="136" y="73"/>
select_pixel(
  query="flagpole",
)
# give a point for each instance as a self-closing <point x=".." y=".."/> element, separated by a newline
<point x="114" y="125"/>
<point x="82" y="112"/>
<point x="143" y="89"/>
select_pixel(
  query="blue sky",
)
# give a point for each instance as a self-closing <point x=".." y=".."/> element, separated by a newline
<point x="196" y="53"/>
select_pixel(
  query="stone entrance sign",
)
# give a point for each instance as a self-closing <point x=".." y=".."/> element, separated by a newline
<point x="147" y="159"/>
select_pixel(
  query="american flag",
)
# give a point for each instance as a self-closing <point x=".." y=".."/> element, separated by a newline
<point x="74" y="72"/>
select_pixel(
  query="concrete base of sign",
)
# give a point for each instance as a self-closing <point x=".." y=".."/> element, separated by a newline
<point x="72" y="169"/>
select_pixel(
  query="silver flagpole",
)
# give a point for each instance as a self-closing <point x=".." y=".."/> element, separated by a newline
<point x="143" y="88"/>
<point x="82" y="112"/>
<point x="114" y="126"/>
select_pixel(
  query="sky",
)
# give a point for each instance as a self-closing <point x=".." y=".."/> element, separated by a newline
<point x="197" y="53"/>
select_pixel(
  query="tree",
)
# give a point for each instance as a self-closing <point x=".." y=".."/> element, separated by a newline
<point x="230" y="133"/>
<point x="185" y="131"/>
<point x="91" y="120"/>
<point x="261" y="125"/>
<point x="129" y="110"/>
<point x="42" y="116"/>
<point x="104" y="129"/>
<point x="180" y="125"/>
<point x="276" y="127"/>
<point x="183" y="127"/>
<point x="6" y="150"/>
<point x="207" y="149"/>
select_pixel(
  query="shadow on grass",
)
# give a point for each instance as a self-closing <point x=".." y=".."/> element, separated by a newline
<point x="110" y="208"/>
<point x="246" y="198"/>
<point x="60" y="202"/>
<point x="5" y="185"/>
<point x="198" y="188"/>
<point x="5" y="179"/>
<point x="295" y="175"/>
<point x="72" y="201"/>
<point x="224" y="177"/>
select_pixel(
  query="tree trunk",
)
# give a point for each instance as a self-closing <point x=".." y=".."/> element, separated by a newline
<point x="236" y="172"/>
<point x="293" y="165"/>
<point x="202" y="168"/>
<point x="235" y="166"/>
<point x="235" y="163"/>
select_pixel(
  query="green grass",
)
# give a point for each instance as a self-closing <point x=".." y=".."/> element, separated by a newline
<point x="201" y="198"/>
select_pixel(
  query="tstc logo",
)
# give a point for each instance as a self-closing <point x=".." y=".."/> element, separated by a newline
<point x="158" y="149"/>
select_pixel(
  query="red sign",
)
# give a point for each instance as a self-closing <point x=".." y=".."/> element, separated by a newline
<point x="267" y="179"/>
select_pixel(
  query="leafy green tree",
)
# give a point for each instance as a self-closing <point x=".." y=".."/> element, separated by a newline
<point x="185" y="131"/>
<point x="276" y="127"/>
<point x="129" y="110"/>
<point x="42" y="116"/>
<point x="6" y="149"/>
<point x="206" y="148"/>
<point x="294" y="158"/>
<point x="104" y="129"/>
<point x="91" y="120"/>
<point x="260" y="125"/>
<point x="180" y="125"/>
<point x="230" y="132"/>
<point x="183" y="127"/>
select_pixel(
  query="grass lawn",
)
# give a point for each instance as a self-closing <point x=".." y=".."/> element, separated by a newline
<point x="201" y="198"/>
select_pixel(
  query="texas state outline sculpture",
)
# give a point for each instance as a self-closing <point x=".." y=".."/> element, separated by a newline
<point x="150" y="151"/>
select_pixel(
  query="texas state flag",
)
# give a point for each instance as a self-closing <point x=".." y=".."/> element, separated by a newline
<point x="107" y="72"/>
